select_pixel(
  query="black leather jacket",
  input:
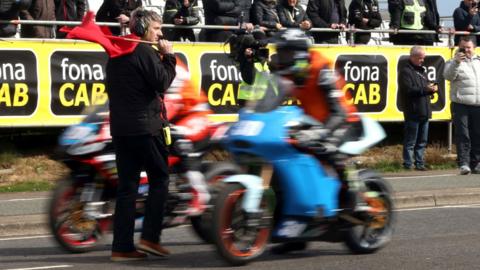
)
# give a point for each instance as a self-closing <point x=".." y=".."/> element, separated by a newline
<point x="360" y="9"/>
<point x="413" y="86"/>
<point x="135" y="83"/>
<point x="291" y="16"/>
<point x="175" y="9"/>
<point x="264" y="13"/>
<point x="222" y="12"/>
<point x="72" y="10"/>
<point x="9" y="10"/>
<point x="320" y="12"/>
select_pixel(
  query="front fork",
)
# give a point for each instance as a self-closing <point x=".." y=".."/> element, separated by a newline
<point x="93" y="205"/>
<point x="257" y="187"/>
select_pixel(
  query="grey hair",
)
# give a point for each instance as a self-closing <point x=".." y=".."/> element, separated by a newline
<point x="143" y="16"/>
<point x="416" y="50"/>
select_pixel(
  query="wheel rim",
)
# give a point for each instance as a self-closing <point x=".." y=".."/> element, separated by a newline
<point x="231" y="232"/>
<point x="378" y="230"/>
<point x="70" y="227"/>
<point x="379" y="212"/>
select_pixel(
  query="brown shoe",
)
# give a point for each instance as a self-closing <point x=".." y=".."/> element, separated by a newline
<point x="127" y="256"/>
<point x="153" y="248"/>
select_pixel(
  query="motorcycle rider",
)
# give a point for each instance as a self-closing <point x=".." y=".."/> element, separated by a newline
<point x="187" y="111"/>
<point x="317" y="86"/>
<point x="313" y="81"/>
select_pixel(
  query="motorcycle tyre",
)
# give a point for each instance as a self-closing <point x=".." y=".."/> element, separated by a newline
<point x="214" y="173"/>
<point x="228" y="198"/>
<point x="60" y="189"/>
<point x="358" y="245"/>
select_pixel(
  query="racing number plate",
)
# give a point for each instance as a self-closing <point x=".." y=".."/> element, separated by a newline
<point x="247" y="128"/>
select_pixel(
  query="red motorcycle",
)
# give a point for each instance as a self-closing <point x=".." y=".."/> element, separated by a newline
<point x="82" y="206"/>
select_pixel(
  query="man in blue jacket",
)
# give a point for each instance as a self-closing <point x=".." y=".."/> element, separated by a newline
<point x="466" y="18"/>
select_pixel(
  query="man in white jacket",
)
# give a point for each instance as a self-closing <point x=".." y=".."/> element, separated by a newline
<point x="463" y="72"/>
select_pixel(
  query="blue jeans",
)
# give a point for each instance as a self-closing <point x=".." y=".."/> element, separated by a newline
<point x="415" y="142"/>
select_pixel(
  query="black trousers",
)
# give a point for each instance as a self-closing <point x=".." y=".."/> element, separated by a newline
<point x="467" y="133"/>
<point x="134" y="154"/>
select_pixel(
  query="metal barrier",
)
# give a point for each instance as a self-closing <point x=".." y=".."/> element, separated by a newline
<point x="451" y="33"/>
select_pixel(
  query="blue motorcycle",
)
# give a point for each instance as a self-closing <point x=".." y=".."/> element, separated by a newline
<point x="289" y="195"/>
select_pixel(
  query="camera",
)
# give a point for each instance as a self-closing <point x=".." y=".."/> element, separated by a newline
<point x="241" y="40"/>
<point x="462" y="50"/>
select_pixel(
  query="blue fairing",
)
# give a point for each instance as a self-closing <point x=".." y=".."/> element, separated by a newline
<point x="308" y="190"/>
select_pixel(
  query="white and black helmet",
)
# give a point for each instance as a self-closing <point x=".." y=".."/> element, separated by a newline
<point x="292" y="47"/>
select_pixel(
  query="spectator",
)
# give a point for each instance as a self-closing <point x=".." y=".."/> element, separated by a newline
<point x="10" y="10"/>
<point x="180" y="12"/>
<point x="432" y="19"/>
<point x="410" y="15"/>
<point x="416" y="91"/>
<point x="364" y="14"/>
<point x="135" y="85"/>
<point x="220" y="12"/>
<point x="255" y="73"/>
<point x="69" y="10"/>
<point x="43" y="10"/>
<point x="327" y="14"/>
<point x="117" y="11"/>
<point x="264" y="14"/>
<point x="463" y="72"/>
<point x="292" y="14"/>
<point x="466" y="18"/>
<point x="245" y="6"/>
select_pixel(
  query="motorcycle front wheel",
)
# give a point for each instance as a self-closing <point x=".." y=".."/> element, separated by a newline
<point x="236" y="242"/>
<point x="214" y="175"/>
<point x="378" y="231"/>
<point x="72" y="229"/>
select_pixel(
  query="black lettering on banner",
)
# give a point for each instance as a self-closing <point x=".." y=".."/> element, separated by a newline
<point x="434" y="65"/>
<point x="18" y="83"/>
<point x="220" y="81"/>
<point x="77" y="81"/>
<point x="366" y="80"/>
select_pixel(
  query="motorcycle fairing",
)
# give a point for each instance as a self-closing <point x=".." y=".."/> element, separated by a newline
<point x="309" y="191"/>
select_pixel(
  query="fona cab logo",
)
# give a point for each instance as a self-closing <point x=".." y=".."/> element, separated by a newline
<point x="366" y="80"/>
<point x="15" y="93"/>
<point x="18" y="83"/>
<point x="77" y="81"/>
<point x="220" y="81"/>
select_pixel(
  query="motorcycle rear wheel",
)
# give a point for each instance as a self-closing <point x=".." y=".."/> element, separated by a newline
<point x="67" y="222"/>
<point x="236" y="243"/>
<point x="365" y="239"/>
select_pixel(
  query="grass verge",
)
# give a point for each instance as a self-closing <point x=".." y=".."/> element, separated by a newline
<point x="389" y="158"/>
<point x="21" y="173"/>
<point x="28" y="186"/>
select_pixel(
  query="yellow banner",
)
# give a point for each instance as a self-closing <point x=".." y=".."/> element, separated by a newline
<point x="50" y="83"/>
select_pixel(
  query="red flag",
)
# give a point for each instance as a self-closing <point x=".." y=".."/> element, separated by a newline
<point x="113" y="45"/>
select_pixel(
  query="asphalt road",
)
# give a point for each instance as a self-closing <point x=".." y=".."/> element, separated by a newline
<point x="402" y="183"/>
<point x="428" y="238"/>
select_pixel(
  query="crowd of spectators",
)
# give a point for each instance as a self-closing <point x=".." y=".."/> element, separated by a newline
<point x="266" y="16"/>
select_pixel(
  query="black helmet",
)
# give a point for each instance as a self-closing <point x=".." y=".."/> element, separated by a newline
<point x="292" y="51"/>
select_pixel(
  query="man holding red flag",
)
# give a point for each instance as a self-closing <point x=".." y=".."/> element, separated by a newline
<point x="136" y="82"/>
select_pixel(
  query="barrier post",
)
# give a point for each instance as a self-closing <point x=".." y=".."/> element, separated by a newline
<point x="351" y="38"/>
<point x="451" y="39"/>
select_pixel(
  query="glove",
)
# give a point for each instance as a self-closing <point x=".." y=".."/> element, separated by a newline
<point x="309" y="136"/>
